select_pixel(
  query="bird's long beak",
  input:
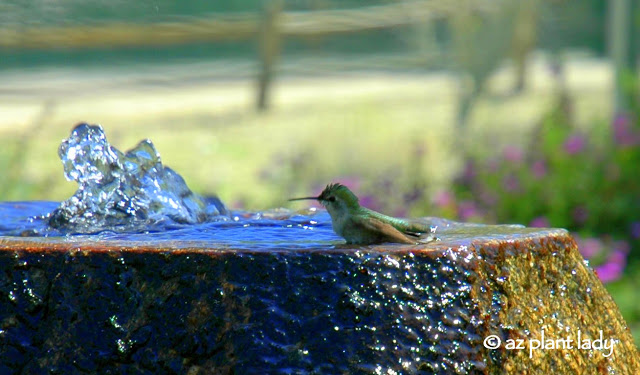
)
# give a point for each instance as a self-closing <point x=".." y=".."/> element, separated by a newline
<point x="305" y="198"/>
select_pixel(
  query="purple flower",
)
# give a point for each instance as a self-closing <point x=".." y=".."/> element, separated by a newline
<point x="539" y="168"/>
<point x="467" y="210"/>
<point x="609" y="272"/>
<point x="635" y="229"/>
<point x="589" y="247"/>
<point x="612" y="269"/>
<point x="540" y="222"/>
<point x="489" y="198"/>
<point x="513" y="154"/>
<point x="574" y="144"/>
<point x="511" y="183"/>
<point x="443" y="199"/>
<point x="623" y="133"/>
<point x="580" y="214"/>
<point x="469" y="172"/>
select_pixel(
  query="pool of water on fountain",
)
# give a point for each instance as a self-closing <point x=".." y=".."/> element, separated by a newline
<point x="255" y="230"/>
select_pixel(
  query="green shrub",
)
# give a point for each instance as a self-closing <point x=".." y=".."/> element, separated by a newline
<point x="588" y="183"/>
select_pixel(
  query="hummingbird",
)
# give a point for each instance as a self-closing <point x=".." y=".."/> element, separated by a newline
<point x="362" y="226"/>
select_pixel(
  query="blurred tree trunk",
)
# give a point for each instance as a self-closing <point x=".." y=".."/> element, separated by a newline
<point x="269" y="50"/>
<point x="524" y="39"/>
<point x="621" y="50"/>
<point x="480" y="44"/>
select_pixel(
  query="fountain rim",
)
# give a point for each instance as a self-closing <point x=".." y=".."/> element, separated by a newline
<point x="456" y="244"/>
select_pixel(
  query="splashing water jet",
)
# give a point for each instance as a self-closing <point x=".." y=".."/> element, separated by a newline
<point x="124" y="191"/>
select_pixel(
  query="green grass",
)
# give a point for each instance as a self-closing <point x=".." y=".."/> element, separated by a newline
<point x="362" y="125"/>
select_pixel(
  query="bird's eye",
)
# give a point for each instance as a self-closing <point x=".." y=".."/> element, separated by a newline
<point x="331" y="199"/>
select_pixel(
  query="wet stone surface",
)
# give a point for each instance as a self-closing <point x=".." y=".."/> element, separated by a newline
<point x="72" y="305"/>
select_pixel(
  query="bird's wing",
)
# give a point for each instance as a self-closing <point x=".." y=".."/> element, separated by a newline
<point x="406" y="226"/>
<point x="387" y="231"/>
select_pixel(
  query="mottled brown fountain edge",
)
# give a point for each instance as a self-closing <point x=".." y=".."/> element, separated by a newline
<point x="535" y="268"/>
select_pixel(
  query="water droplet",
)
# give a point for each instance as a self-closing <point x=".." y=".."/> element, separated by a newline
<point x="123" y="346"/>
<point x="114" y="322"/>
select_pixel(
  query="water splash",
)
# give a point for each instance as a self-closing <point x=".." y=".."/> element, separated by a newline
<point x="123" y="191"/>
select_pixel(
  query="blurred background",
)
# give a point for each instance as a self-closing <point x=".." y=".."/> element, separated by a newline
<point x="474" y="110"/>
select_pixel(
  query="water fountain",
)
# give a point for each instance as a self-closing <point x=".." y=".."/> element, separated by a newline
<point x="137" y="274"/>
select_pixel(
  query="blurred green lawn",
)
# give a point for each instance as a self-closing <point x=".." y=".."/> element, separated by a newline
<point x="360" y="125"/>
